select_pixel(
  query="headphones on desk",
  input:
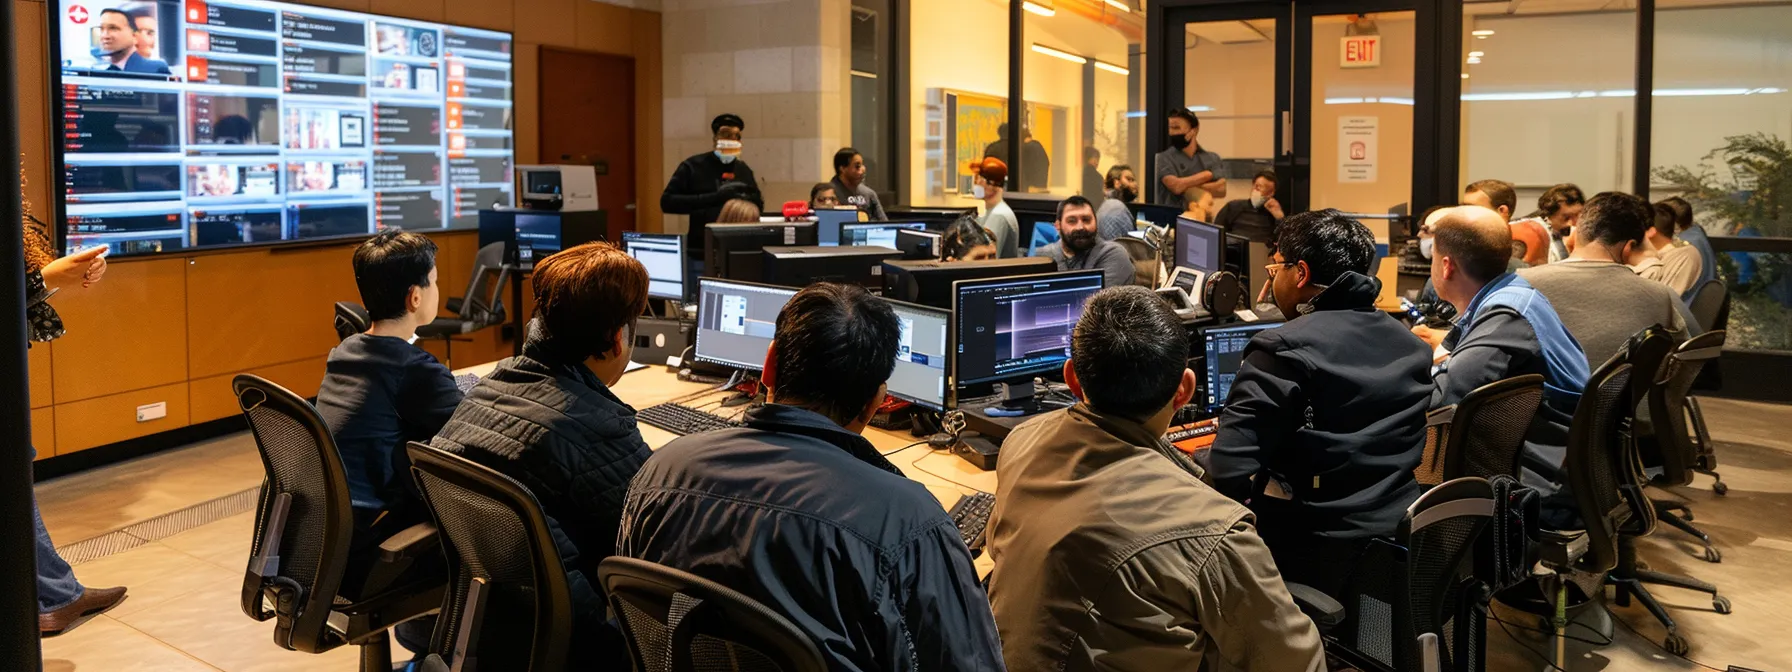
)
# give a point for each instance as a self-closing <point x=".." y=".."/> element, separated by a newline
<point x="1221" y="294"/>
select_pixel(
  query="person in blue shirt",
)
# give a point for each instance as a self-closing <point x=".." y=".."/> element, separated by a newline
<point x="118" y="46"/>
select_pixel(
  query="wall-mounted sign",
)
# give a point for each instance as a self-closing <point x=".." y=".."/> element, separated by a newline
<point x="1359" y="51"/>
<point x="1357" y="151"/>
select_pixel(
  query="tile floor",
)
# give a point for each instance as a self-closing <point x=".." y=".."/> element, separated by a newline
<point x="182" y="613"/>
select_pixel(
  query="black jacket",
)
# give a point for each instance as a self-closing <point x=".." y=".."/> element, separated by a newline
<point x="379" y="393"/>
<point x="1254" y="224"/>
<point x="1331" y="406"/>
<point x="696" y="190"/>
<point x="809" y="520"/>
<point x="561" y="433"/>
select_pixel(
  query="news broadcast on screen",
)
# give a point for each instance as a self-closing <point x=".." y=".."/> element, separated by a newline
<point x="202" y="124"/>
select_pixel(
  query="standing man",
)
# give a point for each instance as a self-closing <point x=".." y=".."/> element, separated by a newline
<point x="1187" y="174"/>
<point x="1092" y="182"/>
<point x="849" y="184"/>
<point x="118" y="46"/>
<point x="1035" y="163"/>
<point x="991" y="182"/>
<point x="703" y="183"/>
<point x="1114" y="217"/>
<point x="1081" y="248"/>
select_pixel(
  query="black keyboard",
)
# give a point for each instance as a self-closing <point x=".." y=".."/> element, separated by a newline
<point x="971" y="515"/>
<point x="681" y="419"/>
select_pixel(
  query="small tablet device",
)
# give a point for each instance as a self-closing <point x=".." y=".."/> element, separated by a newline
<point x="1186" y="279"/>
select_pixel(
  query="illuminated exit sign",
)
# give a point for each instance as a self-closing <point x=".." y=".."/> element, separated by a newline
<point x="1359" y="51"/>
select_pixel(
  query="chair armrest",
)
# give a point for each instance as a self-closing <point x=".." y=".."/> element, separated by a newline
<point x="1326" y="612"/>
<point x="409" y="543"/>
<point x="1441" y="416"/>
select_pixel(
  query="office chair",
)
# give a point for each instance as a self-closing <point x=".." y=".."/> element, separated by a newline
<point x="1482" y="435"/>
<point x="1669" y="443"/>
<point x="482" y="305"/>
<point x="675" y="620"/>
<point x="351" y="319"/>
<point x="1144" y="260"/>
<point x="1414" y="602"/>
<point x="508" y="605"/>
<point x="299" y="561"/>
<point x="1710" y="305"/>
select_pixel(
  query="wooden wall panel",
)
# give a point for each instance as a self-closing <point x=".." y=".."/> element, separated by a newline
<point x="38" y="363"/>
<point x="255" y="308"/>
<point x="212" y="397"/>
<point x="650" y="157"/>
<point x="96" y="422"/>
<point x="31" y="37"/>
<point x="43" y="431"/>
<point x="127" y="333"/>
<point x="421" y="10"/>
<point x="490" y="14"/>
<point x="550" y="22"/>
<point x="527" y="128"/>
<point x="607" y="28"/>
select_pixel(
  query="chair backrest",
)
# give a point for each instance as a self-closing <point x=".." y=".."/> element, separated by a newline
<point x="351" y="319"/>
<point x="1667" y="405"/>
<point x="676" y="620"/>
<point x="508" y="605"/>
<point x="1137" y="248"/>
<point x="1440" y="532"/>
<point x="1710" y="305"/>
<point x="1487" y="432"/>
<point x="303" y="519"/>
<point x="1649" y="350"/>
<point x="1590" y="466"/>
<point x="484" y="299"/>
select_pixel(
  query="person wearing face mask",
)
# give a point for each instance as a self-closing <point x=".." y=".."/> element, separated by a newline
<point x="1256" y="219"/>
<point x="1187" y="175"/>
<point x="1547" y="231"/>
<point x="703" y="183"/>
<point x="989" y="186"/>
<point x="1326" y="418"/>
<point x="849" y="184"/>
<point x="1114" y="218"/>
<point x="1080" y="247"/>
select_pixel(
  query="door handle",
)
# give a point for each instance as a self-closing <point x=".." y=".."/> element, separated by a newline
<point x="1287" y="132"/>
<point x="630" y="206"/>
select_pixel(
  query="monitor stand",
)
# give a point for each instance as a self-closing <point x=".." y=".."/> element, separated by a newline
<point x="1020" y="400"/>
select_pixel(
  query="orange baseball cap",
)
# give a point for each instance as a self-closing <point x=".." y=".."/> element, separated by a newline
<point x="991" y="169"/>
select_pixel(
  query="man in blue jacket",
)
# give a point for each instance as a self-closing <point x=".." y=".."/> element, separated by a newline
<point x="799" y="512"/>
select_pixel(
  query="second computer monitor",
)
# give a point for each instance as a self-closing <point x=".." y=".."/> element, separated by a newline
<point x="877" y="234"/>
<point x="1011" y="329"/>
<point x="1224" y="356"/>
<point x="736" y="321"/>
<point x="1199" y="245"/>
<point x="918" y="244"/>
<point x="663" y="255"/>
<point x="920" y="373"/>
<point x="929" y="282"/>
<point x="736" y="251"/>
<point x="828" y="222"/>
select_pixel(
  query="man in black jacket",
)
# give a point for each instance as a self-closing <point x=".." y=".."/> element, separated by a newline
<point x="549" y="420"/>
<point x="702" y="183"/>
<point x="801" y="513"/>
<point x="1326" y="419"/>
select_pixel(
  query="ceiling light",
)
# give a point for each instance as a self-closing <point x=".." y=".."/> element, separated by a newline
<point x="1073" y="58"/>
<point x="1476" y="54"/>
<point x="1474" y="61"/>
<point x="1465" y="75"/>
<point x="1480" y="37"/>
<point x="1117" y="4"/>
<point x="1199" y="108"/>
<point x="1039" y="9"/>
<point x="1481" y="33"/>
<point x="1110" y="67"/>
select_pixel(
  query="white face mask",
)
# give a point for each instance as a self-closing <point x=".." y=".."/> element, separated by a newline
<point x="727" y="150"/>
<point x="1258" y="199"/>
<point x="1425" y="245"/>
<point x="978" y="192"/>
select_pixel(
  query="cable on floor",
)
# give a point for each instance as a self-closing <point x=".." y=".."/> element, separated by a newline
<point x="916" y="465"/>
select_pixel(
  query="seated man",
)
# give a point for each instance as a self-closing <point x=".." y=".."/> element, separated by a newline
<point x="1326" y="419"/>
<point x="549" y="420"/>
<point x="1504" y="328"/>
<point x="1661" y="258"/>
<point x="1113" y="217"/>
<point x="1081" y="248"/>
<point x="1599" y="299"/>
<point x="799" y="512"/>
<point x="1694" y="235"/>
<point x="1092" y="570"/>
<point x="1255" y="219"/>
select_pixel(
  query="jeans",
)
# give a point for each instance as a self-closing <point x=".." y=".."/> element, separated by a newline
<point x="56" y="584"/>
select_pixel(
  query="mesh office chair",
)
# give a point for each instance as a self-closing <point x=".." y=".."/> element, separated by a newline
<point x="303" y="530"/>
<point x="679" y="622"/>
<point x="1144" y="260"/>
<point x="1483" y="434"/>
<point x="1414" y="602"/>
<point x="1679" y="452"/>
<point x="508" y="606"/>
<point x="1710" y="305"/>
<point x="351" y="319"/>
<point x="482" y="305"/>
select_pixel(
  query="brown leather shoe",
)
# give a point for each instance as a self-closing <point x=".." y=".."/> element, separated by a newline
<point x="93" y="601"/>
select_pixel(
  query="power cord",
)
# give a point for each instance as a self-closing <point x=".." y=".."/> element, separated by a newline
<point x="898" y="450"/>
<point x="916" y="465"/>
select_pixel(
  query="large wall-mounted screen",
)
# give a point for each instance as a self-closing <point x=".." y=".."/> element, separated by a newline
<point x="192" y="124"/>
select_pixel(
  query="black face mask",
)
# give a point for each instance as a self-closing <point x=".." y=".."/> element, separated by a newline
<point x="1179" y="141"/>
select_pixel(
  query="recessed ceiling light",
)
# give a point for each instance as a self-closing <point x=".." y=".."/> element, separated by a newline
<point x="1039" y="9"/>
<point x="1465" y="75"/>
<point x="1476" y="54"/>
<point x="1117" y="4"/>
<point x="1055" y="53"/>
<point x="1110" y="67"/>
<point x="1481" y="33"/>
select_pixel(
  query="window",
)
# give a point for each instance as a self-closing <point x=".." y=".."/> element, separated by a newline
<point x="1080" y="87"/>
<point x="958" y="87"/>
<point x="871" y="84"/>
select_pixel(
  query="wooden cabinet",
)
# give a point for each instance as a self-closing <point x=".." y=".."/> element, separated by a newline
<point x="127" y="333"/>
<point x="102" y="420"/>
<point x="258" y="308"/>
<point x="43" y="431"/>
<point x="38" y="365"/>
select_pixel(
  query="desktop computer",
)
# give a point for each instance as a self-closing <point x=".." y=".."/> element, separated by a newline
<point x="929" y="283"/>
<point x="736" y="322"/>
<point x="1199" y="246"/>
<point x="801" y="266"/>
<point x="1224" y="354"/>
<point x="879" y="234"/>
<point x="1163" y="216"/>
<point x="663" y="255"/>
<point x="828" y="222"/>
<point x="1044" y="233"/>
<point x="917" y="245"/>
<point x="920" y="374"/>
<point x="529" y="235"/>
<point x="737" y="251"/>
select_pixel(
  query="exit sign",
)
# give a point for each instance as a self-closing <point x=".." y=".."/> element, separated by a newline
<point x="1359" y="51"/>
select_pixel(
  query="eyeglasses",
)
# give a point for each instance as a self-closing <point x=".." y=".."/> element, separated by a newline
<point x="1274" y="266"/>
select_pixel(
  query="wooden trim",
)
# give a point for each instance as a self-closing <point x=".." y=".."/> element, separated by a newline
<point x="97" y="422"/>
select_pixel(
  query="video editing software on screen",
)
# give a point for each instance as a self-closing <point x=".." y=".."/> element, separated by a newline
<point x="189" y="123"/>
<point x="1015" y="327"/>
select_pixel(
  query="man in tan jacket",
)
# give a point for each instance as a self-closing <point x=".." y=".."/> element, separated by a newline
<point x="1110" y="553"/>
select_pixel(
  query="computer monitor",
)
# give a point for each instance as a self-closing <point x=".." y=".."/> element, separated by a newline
<point x="1007" y="330"/>
<point x="828" y="222"/>
<point x="805" y="265"/>
<point x="920" y="374"/>
<point x="1160" y="215"/>
<point x="736" y="321"/>
<point x="737" y="251"/>
<point x="929" y="283"/>
<point x="1044" y="233"/>
<point x="537" y="236"/>
<point x="1224" y="355"/>
<point x="1033" y="212"/>
<point x="879" y="234"/>
<point x="1199" y="245"/>
<point x="919" y="244"/>
<point x="934" y="219"/>
<point x="663" y="255"/>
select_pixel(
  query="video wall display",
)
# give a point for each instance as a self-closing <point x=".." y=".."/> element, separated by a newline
<point x="191" y="124"/>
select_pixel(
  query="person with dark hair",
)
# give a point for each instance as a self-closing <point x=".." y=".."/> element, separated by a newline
<point x="148" y="40"/>
<point x="549" y="419"/>
<point x="1599" y="298"/>
<point x="1326" y="419"/>
<point x="702" y="184"/>
<point x="1545" y="232"/>
<point x="1094" y="188"/>
<point x="800" y="513"/>
<point x="117" y="48"/>
<point x="1113" y="217"/>
<point x="1035" y="163"/>
<point x="1254" y="219"/>
<point x="1694" y="235"/>
<point x="849" y="184"/>
<point x="1087" y="555"/>
<point x="1187" y="175"/>
<point x="1081" y="248"/>
<point x="822" y="195"/>
<point x="989" y="185"/>
<point x="1505" y="328"/>
<point x="1661" y="258"/>
<point x="967" y="240"/>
